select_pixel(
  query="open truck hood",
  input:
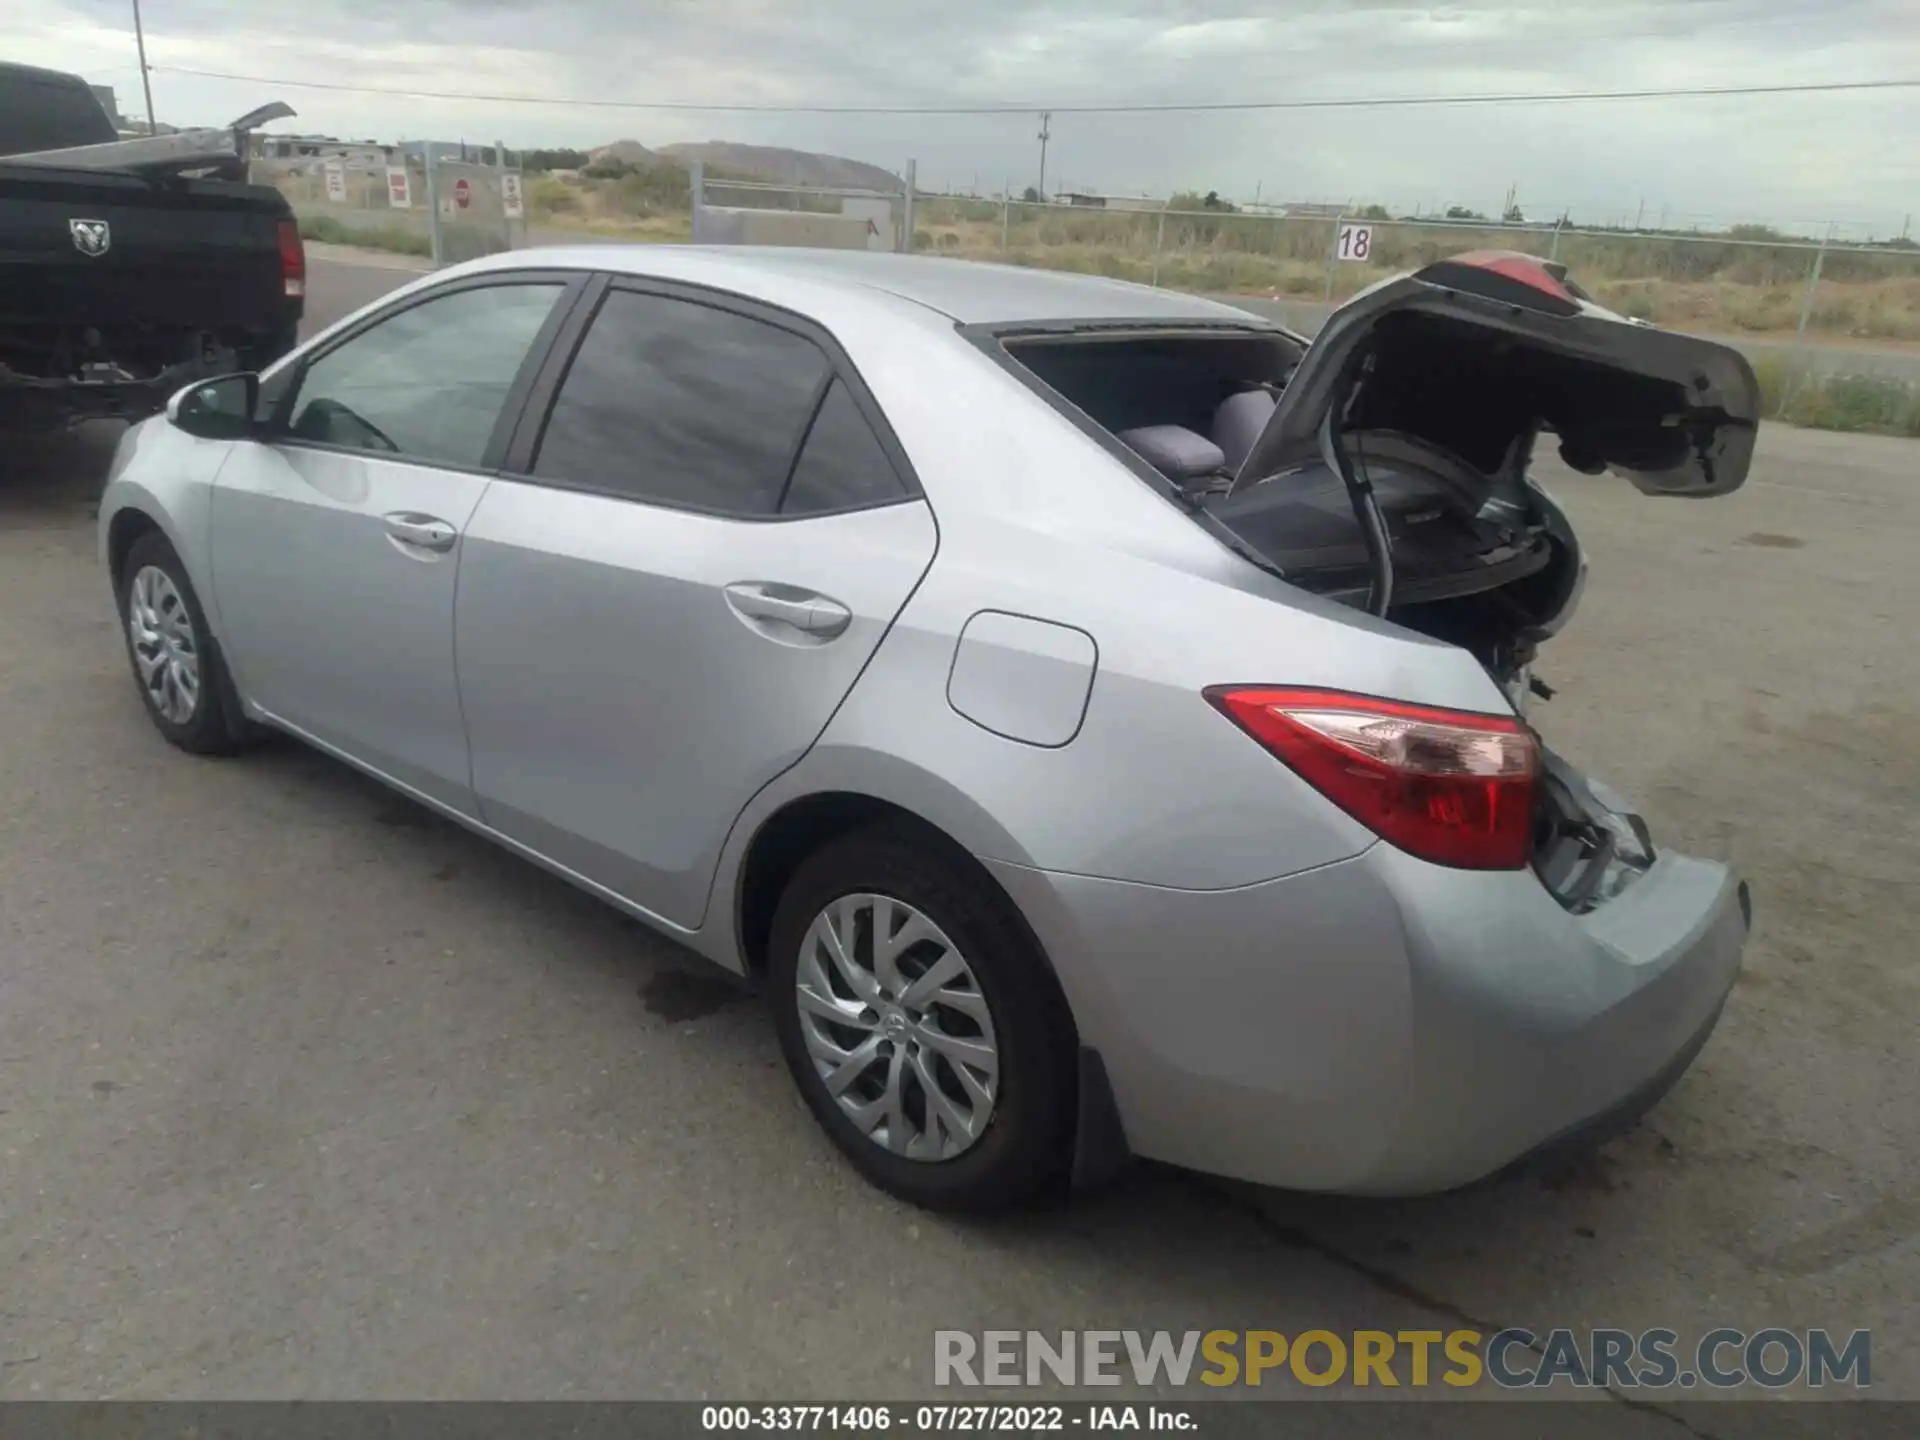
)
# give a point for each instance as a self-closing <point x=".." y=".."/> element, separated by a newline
<point x="1484" y="351"/>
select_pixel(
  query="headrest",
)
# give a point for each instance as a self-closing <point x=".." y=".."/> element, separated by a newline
<point x="1239" y="422"/>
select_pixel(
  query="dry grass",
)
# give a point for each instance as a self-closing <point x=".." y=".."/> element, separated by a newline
<point x="1865" y="403"/>
<point x="1699" y="286"/>
<point x="1708" y="285"/>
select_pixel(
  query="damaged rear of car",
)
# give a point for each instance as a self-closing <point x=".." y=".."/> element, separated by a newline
<point x="1562" y="970"/>
<point x="1387" y="466"/>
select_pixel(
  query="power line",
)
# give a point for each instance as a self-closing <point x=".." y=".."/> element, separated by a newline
<point x="1192" y="107"/>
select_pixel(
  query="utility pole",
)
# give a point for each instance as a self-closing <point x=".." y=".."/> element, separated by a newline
<point x="1046" y="134"/>
<point x="146" y="82"/>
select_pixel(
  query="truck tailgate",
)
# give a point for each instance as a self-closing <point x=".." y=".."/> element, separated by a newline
<point x="196" y="254"/>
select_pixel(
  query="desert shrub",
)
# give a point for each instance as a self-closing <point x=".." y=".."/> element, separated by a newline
<point x="329" y="231"/>
<point x="553" y="197"/>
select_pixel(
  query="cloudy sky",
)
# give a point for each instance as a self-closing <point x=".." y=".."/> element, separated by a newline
<point x="1802" y="160"/>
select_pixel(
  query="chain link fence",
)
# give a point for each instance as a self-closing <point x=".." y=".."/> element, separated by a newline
<point x="1827" y="324"/>
<point x="746" y="212"/>
<point x="444" y="203"/>
<point x="1730" y="282"/>
<point x="475" y="206"/>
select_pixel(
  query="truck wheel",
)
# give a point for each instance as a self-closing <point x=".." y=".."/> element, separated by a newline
<point x="922" y="1025"/>
<point x="177" y="665"/>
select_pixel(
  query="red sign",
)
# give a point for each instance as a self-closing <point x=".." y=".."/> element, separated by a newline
<point x="462" y="193"/>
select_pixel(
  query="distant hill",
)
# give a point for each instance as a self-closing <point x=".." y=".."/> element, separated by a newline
<point x="631" y="152"/>
<point x="773" y="162"/>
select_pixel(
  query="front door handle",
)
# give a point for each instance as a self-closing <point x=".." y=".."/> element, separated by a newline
<point x="807" y="611"/>
<point x="424" y="532"/>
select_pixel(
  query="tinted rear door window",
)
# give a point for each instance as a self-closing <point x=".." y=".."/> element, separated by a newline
<point x="842" y="466"/>
<point x="682" y="404"/>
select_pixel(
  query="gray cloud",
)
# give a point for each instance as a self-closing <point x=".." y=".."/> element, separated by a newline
<point x="1845" y="157"/>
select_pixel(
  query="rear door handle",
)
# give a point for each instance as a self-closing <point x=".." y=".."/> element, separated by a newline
<point x="805" y="610"/>
<point x="424" y="532"/>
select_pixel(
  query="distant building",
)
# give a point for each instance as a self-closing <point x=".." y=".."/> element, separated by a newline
<point x="361" y="153"/>
<point x="1090" y="201"/>
<point x="448" y="150"/>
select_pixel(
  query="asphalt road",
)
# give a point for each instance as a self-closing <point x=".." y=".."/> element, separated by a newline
<point x="304" y="1092"/>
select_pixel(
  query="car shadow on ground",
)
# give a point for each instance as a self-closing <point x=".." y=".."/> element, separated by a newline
<point x="1178" y="1215"/>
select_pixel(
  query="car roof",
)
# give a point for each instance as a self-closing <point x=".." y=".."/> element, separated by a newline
<point x="968" y="292"/>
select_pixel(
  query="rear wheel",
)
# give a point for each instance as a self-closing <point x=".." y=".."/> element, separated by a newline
<point x="177" y="667"/>
<point x="921" y="1024"/>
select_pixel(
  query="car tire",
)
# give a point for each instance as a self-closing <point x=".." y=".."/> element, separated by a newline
<point x="168" y="640"/>
<point x="1022" y="1149"/>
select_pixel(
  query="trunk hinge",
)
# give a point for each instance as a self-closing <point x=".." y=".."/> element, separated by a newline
<point x="1366" y="508"/>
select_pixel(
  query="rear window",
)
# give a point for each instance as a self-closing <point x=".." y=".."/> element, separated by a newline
<point x="1138" y="380"/>
<point x="42" y="111"/>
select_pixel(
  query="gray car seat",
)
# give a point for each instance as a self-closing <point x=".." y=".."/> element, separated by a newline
<point x="1239" y="422"/>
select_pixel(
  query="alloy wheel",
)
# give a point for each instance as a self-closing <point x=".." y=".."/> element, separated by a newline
<point x="897" y="1027"/>
<point x="166" y="652"/>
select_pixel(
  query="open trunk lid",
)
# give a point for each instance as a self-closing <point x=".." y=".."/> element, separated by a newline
<point x="1481" y="352"/>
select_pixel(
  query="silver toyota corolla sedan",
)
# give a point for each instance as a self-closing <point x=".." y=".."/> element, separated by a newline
<point x="1096" y="719"/>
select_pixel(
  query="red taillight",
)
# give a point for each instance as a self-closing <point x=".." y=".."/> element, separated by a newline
<point x="1511" y="276"/>
<point x="1529" y="270"/>
<point x="1449" y="786"/>
<point x="293" y="261"/>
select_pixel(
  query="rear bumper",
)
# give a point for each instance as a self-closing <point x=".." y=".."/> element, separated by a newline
<point x="1382" y="1025"/>
<point x="1624" y="1114"/>
<point x="38" y="405"/>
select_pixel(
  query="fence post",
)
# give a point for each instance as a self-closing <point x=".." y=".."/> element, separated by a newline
<point x="1333" y="254"/>
<point x="430" y="157"/>
<point x="696" y="198"/>
<point x="906" y="214"/>
<point x="1553" y="254"/>
<point x="499" y="186"/>
<point x="1160" y="240"/>
<point x="1806" y="314"/>
<point x="1813" y="281"/>
<point x="1006" y="215"/>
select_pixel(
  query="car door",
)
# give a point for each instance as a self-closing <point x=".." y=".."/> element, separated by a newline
<point x="335" y="543"/>
<point x="710" y="531"/>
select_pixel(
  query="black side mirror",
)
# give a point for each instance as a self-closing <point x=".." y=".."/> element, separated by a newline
<point x="219" y="409"/>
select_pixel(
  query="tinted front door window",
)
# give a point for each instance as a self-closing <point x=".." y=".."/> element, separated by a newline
<point x="428" y="383"/>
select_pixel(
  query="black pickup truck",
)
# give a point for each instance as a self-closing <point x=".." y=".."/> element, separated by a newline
<point x="130" y="268"/>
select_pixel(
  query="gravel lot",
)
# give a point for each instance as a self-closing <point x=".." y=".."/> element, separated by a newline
<point x="304" y="1092"/>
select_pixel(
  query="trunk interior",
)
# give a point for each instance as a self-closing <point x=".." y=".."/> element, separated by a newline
<point x="1443" y="429"/>
<point x="1480" y="557"/>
